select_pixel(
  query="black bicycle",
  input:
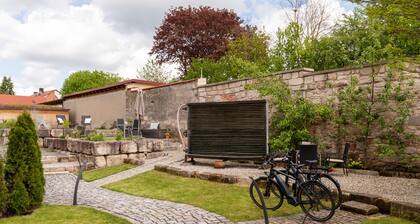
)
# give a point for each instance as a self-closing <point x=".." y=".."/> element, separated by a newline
<point x="320" y="174"/>
<point x="313" y="197"/>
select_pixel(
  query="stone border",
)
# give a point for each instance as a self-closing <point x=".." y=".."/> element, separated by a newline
<point x="110" y="153"/>
<point x="216" y="177"/>
<point x="399" y="209"/>
<point x="404" y="210"/>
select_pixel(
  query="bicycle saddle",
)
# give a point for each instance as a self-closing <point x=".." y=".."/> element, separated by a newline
<point x="312" y="162"/>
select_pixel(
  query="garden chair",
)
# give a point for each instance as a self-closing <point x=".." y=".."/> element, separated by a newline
<point x="60" y="118"/>
<point x="152" y="131"/>
<point x="343" y="160"/>
<point x="136" y="126"/>
<point x="308" y="153"/>
<point x="86" y="121"/>
<point x="120" y="124"/>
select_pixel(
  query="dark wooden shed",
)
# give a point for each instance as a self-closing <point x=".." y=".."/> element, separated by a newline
<point x="228" y="130"/>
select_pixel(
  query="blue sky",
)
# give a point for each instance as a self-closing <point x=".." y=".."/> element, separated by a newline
<point x="43" y="41"/>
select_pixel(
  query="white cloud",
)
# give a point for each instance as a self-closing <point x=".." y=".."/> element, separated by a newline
<point x="50" y="38"/>
<point x="145" y="15"/>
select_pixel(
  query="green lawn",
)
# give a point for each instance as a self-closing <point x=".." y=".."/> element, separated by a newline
<point x="58" y="214"/>
<point x="387" y="220"/>
<point x="96" y="174"/>
<point x="231" y="201"/>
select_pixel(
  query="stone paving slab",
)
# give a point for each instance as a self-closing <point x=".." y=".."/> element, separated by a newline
<point x="147" y="166"/>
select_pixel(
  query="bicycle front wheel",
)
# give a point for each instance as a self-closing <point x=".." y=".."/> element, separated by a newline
<point x="273" y="198"/>
<point x="332" y="185"/>
<point x="316" y="201"/>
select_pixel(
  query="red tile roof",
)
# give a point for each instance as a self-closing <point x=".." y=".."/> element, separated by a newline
<point x="118" y="85"/>
<point x="48" y="95"/>
<point x="28" y="100"/>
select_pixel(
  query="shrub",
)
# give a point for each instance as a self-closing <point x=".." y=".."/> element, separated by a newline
<point x="23" y="170"/>
<point x="19" y="201"/>
<point x="96" y="137"/>
<point x="355" y="164"/>
<point x="119" y="136"/>
<point x="66" y="124"/>
<point x="294" y="114"/>
<point x="3" y="190"/>
<point x="7" y="124"/>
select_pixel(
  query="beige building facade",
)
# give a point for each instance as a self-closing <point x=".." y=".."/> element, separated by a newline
<point x="104" y="105"/>
<point x="43" y="116"/>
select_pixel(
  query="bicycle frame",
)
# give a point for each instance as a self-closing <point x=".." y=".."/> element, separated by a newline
<point x="290" y="196"/>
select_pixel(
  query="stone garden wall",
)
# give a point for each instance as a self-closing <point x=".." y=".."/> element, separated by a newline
<point x="110" y="153"/>
<point x="162" y="102"/>
<point x="319" y="87"/>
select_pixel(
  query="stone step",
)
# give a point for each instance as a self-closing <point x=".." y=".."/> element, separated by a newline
<point x="57" y="156"/>
<point x="56" y="173"/>
<point x="61" y="167"/>
<point x="49" y="159"/>
<point x="360" y="208"/>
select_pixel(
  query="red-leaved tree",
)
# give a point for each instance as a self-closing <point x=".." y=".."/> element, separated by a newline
<point x="188" y="33"/>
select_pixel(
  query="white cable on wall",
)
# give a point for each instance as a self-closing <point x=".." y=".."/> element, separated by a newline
<point x="181" y="137"/>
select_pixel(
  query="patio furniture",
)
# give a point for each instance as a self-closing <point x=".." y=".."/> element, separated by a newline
<point x="308" y="153"/>
<point x="121" y="125"/>
<point x="152" y="131"/>
<point x="343" y="160"/>
<point x="86" y="121"/>
<point x="60" y="119"/>
<point x="136" y="127"/>
<point x="235" y="130"/>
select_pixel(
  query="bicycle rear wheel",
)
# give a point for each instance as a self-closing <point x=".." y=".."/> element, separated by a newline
<point x="316" y="201"/>
<point x="273" y="197"/>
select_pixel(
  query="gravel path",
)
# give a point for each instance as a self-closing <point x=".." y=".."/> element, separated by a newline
<point x="391" y="188"/>
<point x="148" y="165"/>
<point x="59" y="190"/>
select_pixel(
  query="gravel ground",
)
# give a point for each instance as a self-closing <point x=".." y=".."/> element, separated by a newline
<point x="392" y="188"/>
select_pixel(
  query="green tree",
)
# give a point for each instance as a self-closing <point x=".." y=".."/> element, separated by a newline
<point x="399" y="19"/>
<point x="287" y="52"/>
<point x="83" y="80"/>
<point x="227" y="68"/>
<point x="153" y="71"/>
<point x="24" y="167"/>
<point x="3" y="190"/>
<point x="251" y="46"/>
<point x="6" y="86"/>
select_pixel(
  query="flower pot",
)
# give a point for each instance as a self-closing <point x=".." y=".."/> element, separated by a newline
<point x="218" y="164"/>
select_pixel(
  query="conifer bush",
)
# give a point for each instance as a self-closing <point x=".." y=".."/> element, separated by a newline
<point x="3" y="190"/>
<point x="23" y="171"/>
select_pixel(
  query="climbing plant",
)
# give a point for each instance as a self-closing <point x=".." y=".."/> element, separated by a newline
<point x="293" y="114"/>
<point x="376" y="111"/>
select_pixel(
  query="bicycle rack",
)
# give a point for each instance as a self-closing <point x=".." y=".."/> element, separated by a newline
<point x="82" y="166"/>
<point x="266" y="221"/>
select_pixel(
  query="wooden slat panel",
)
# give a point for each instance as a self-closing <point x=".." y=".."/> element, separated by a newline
<point x="228" y="128"/>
